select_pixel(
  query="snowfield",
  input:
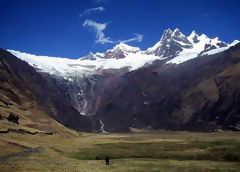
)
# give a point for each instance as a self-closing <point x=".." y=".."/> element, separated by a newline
<point x="133" y="58"/>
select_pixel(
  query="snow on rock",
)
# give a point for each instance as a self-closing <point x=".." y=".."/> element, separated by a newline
<point x="193" y="37"/>
<point x="170" y="44"/>
<point x="173" y="45"/>
<point x="51" y="65"/>
<point x="133" y="61"/>
<point x="126" y="48"/>
<point x="66" y="67"/>
<point x="234" y="42"/>
<point x="215" y="51"/>
<point x="199" y="43"/>
<point x="202" y="45"/>
<point x="120" y="51"/>
<point x="166" y="35"/>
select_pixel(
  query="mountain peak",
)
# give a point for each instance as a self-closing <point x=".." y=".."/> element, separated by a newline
<point x="169" y="34"/>
<point x="170" y="44"/>
<point x="120" y="50"/>
<point x="124" y="47"/>
<point x="166" y="34"/>
<point x="176" y="32"/>
<point x="193" y="34"/>
<point x="193" y="37"/>
<point x="179" y="37"/>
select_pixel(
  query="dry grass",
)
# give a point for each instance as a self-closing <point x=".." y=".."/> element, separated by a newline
<point x="131" y="152"/>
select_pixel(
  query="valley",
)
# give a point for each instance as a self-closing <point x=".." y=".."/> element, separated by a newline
<point x="119" y="86"/>
<point x="137" y="151"/>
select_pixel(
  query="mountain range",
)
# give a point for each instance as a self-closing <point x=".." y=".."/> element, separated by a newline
<point x="180" y="83"/>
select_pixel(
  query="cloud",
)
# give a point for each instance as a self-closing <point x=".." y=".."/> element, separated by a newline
<point x="98" y="28"/>
<point x="137" y="37"/>
<point x="90" y="10"/>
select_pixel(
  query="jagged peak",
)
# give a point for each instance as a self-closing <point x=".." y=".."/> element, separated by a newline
<point x="176" y="30"/>
<point x="125" y="47"/>
<point x="178" y="33"/>
<point x="166" y="34"/>
<point x="193" y="35"/>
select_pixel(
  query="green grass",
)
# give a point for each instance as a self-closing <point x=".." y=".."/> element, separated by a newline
<point x="142" y="152"/>
<point x="225" y="150"/>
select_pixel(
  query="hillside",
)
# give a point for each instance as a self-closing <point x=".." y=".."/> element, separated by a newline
<point x="37" y="102"/>
<point x="201" y="94"/>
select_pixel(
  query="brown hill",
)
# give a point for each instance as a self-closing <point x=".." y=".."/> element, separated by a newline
<point x="37" y="101"/>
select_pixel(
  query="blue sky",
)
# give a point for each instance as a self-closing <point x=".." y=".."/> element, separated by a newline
<point x="73" y="28"/>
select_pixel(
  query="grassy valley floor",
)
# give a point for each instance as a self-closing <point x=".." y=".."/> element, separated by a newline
<point x="140" y="152"/>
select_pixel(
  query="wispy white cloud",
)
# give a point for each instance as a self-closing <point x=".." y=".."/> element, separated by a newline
<point x="90" y="10"/>
<point x="98" y="28"/>
<point x="137" y="37"/>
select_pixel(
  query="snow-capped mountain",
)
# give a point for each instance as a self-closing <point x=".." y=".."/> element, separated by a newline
<point x="173" y="47"/>
<point x="170" y="44"/>
<point x="201" y="44"/>
<point x="121" y="51"/>
<point x="128" y="87"/>
<point x="81" y="77"/>
<point x="91" y="63"/>
<point x="177" y="47"/>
